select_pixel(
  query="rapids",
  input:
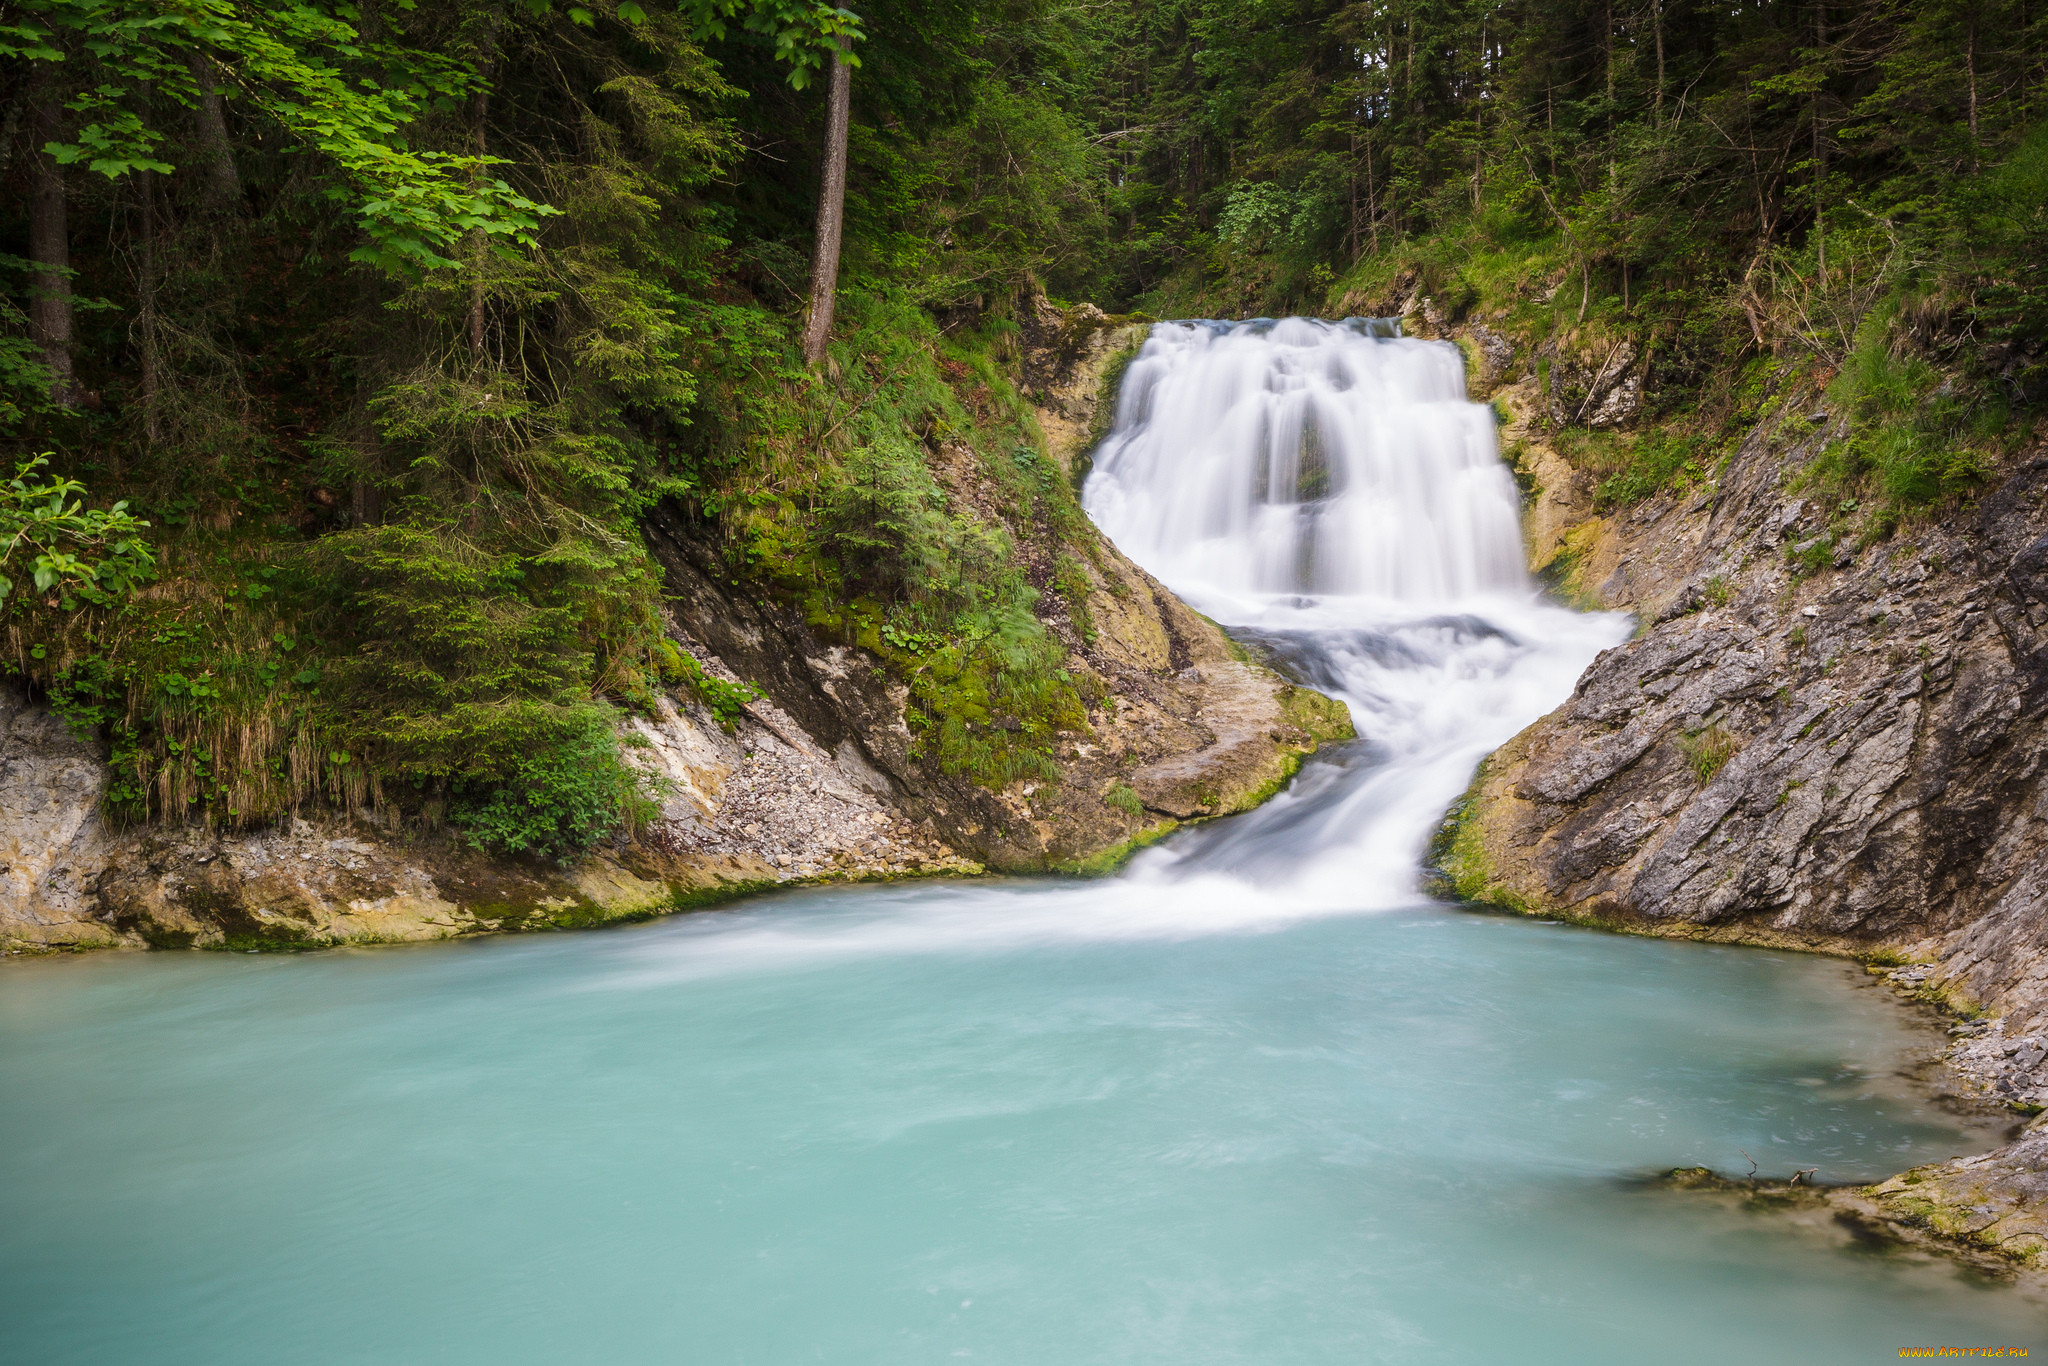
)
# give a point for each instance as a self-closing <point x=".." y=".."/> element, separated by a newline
<point x="1255" y="1101"/>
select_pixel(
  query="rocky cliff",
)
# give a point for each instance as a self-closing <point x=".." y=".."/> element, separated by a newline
<point x="1827" y="732"/>
<point x="819" y="778"/>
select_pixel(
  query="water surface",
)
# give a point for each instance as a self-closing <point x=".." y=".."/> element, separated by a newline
<point x="1003" y="1123"/>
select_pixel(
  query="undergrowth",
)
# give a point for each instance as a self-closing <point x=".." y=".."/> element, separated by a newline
<point x="909" y="539"/>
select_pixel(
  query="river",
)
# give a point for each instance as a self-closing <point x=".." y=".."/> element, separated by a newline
<point x="1257" y="1100"/>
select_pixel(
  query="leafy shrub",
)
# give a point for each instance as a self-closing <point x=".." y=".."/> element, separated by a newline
<point x="1914" y="433"/>
<point x="1654" y="462"/>
<point x="1260" y="212"/>
<point x="560" y="788"/>
<point x="58" y="546"/>
<point x="726" y="701"/>
<point x="883" y="522"/>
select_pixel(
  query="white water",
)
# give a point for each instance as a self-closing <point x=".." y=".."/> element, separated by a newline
<point x="1327" y="490"/>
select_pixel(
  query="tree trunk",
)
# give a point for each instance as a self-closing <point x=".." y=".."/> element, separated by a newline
<point x="1820" y="153"/>
<point x="49" y="247"/>
<point x="1970" y="65"/>
<point x="831" y="211"/>
<point x="1657" y="23"/>
<point x="145" y="317"/>
<point x="210" y="122"/>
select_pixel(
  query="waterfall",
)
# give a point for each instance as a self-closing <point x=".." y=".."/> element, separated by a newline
<point x="1306" y="457"/>
<point x="1327" y="491"/>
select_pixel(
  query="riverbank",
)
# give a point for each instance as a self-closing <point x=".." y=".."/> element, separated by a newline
<point x="1990" y="1209"/>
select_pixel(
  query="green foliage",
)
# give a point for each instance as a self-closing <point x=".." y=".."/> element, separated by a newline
<point x="1914" y="433"/>
<point x="559" y="788"/>
<point x="1808" y="558"/>
<point x="882" y="519"/>
<point x="1651" y="463"/>
<point x="307" y="71"/>
<point x="1261" y="214"/>
<point x="806" y="34"/>
<point x="1125" y="799"/>
<point x="1010" y="194"/>
<point x="993" y="706"/>
<point x="989" y="695"/>
<point x="725" y="701"/>
<point x="53" y="546"/>
<point x="1070" y="579"/>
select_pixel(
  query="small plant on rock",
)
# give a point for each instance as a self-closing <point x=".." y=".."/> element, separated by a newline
<point x="1707" y="751"/>
<point x="1125" y="799"/>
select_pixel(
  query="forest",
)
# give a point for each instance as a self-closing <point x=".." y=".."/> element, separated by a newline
<point x="346" y="346"/>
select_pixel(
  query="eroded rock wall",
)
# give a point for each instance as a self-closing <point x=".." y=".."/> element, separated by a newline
<point x="1839" y="751"/>
<point x="751" y="808"/>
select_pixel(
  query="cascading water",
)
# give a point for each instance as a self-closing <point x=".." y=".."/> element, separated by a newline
<point x="1327" y="490"/>
<point x="1189" y="1115"/>
<point x="1307" y="457"/>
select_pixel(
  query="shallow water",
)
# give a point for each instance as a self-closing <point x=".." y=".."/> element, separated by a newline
<point x="1255" y="1101"/>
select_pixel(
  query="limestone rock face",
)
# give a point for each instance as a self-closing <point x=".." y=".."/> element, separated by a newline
<point x="1840" y="752"/>
<point x="51" y="843"/>
<point x="758" y="806"/>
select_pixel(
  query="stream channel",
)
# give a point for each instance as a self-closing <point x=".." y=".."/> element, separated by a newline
<point x="1256" y="1100"/>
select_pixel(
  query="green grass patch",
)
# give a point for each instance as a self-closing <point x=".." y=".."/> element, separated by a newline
<point x="1707" y="751"/>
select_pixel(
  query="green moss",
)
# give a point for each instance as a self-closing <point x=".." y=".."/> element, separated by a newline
<point x="1290" y="764"/>
<point x="1458" y="854"/>
<point x="284" y="941"/>
<point x="1564" y="575"/>
<point x="1660" y="459"/>
<point x="1324" y="718"/>
<point x="1070" y="579"/>
<point x="1238" y="650"/>
<point x="1107" y="861"/>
